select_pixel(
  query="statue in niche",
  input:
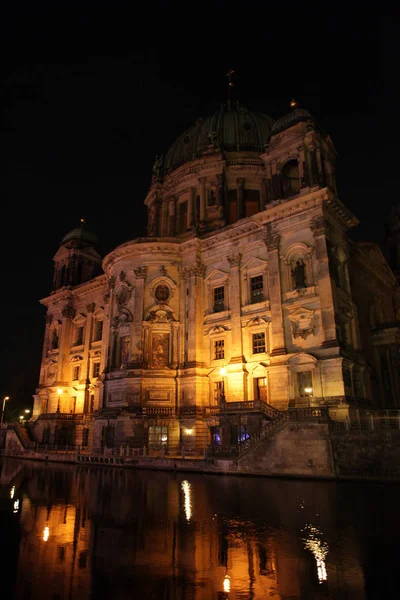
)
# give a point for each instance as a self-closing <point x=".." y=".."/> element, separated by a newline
<point x="124" y="351"/>
<point x="299" y="275"/>
<point x="160" y="348"/>
<point x="54" y="340"/>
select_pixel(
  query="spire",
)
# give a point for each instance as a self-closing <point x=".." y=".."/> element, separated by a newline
<point x="230" y="86"/>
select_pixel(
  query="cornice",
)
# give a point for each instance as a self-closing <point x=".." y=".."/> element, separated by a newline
<point x="141" y="246"/>
<point x="79" y="291"/>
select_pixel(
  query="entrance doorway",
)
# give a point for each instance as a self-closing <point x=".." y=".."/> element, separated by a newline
<point x="261" y="389"/>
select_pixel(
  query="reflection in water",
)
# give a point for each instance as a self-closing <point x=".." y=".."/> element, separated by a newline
<point x="186" y="487"/>
<point x="318" y="547"/>
<point x="12" y="491"/>
<point x="99" y="532"/>
<point x="16" y="506"/>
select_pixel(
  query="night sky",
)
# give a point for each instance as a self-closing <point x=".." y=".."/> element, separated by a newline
<point x="91" y="92"/>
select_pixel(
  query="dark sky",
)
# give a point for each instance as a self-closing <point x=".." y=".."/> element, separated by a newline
<point x="90" y="92"/>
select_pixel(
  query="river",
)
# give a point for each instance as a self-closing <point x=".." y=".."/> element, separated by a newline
<point x="77" y="532"/>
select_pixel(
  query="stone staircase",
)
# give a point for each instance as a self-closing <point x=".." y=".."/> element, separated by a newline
<point x="268" y="429"/>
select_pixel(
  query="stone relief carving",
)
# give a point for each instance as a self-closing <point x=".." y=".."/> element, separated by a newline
<point x="124" y="316"/>
<point x="272" y="238"/>
<point x="235" y="260"/>
<point x="159" y="350"/>
<point x="303" y="322"/>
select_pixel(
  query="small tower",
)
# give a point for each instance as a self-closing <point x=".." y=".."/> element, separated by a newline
<point x="392" y="241"/>
<point x="77" y="259"/>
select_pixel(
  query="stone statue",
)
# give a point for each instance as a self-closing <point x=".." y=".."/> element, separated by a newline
<point x="157" y="167"/>
<point x="299" y="275"/>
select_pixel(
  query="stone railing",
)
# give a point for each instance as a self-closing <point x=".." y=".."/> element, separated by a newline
<point x="369" y="420"/>
<point x="63" y="416"/>
<point x="251" y="406"/>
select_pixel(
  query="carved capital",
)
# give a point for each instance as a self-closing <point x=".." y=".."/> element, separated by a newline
<point x="235" y="260"/>
<point x="49" y="319"/>
<point x="140" y="272"/>
<point x="320" y="226"/>
<point x="202" y="179"/>
<point x="91" y="307"/>
<point x="183" y="272"/>
<point x="68" y="312"/>
<point x="240" y="182"/>
<point x="198" y="269"/>
<point x="272" y="238"/>
<point x="106" y="297"/>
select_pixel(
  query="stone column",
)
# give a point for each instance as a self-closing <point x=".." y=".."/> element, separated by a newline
<point x="46" y="348"/>
<point x="163" y="227"/>
<point x="191" y="206"/>
<point x="86" y="358"/>
<point x="195" y="315"/>
<point x="263" y="195"/>
<point x="302" y="166"/>
<point x="202" y="181"/>
<point x="136" y="347"/>
<point x="240" y="197"/>
<point x="68" y="313"/>
<point x="171" y="217"/>
<point x="234" y="305"/>
<point x="220" y="190"/>
<point x="319" y="228"/>
<point x="275" y="293"/>
<point x="182" y="314"/>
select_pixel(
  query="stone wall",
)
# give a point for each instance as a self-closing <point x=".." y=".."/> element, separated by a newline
<point x="371" y="453"/>
<point x="298" y="449"/>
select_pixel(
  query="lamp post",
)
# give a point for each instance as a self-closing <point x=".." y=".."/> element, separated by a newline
<point x="3" y="407"/>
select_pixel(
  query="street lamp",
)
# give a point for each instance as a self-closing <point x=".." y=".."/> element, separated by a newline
<point x="4" y="404"/>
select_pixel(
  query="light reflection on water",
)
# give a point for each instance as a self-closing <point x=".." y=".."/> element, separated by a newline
<point x="81" y="532"/>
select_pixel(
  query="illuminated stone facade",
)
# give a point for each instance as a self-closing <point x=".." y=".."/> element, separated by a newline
<point x="241" y="291"/>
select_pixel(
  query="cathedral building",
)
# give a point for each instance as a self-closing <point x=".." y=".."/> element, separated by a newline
<point x="245" y="297"/>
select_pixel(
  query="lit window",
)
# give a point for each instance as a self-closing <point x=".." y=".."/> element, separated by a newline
<point x="257" y="288"/>
<point x="219" y="298"/>
<point x="258" y="342"/>
<point x="304" y="383"/>
<point x="219" y="349"/>
<point x="158" y="436"/>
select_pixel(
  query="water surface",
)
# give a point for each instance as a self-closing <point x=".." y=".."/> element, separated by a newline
<point x="101" y="532"/>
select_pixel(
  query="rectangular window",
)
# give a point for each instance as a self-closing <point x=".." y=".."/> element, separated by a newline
<point x="219" y="349"/>
<point x="98" y="331"/>
<point x="304" y="383"/>
<point x="79" y="336"/>
<point x="75" y="373"/>
<point x="219" y="394"/>
<point x="158" y="436"/>
<point x="219" y="298"/>
<point x="251" y="202"/>
<point x="258" y="342"/>
<point x="215" y="435"/>
<point x="257" y="288"/>
<point x="96" y="369"/>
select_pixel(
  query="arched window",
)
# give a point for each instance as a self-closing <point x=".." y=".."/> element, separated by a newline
<point x="290" y="179"/>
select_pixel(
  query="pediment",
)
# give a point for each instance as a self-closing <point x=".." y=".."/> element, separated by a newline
<point x="255" y="263"/>
<point x="216" y="275"/>
<point x="301" y="314"/>
<point x="99" y="313"/>
<point x="256" y="322"/>
<point x="216" y="330"/>
<point x="79" y="320"/>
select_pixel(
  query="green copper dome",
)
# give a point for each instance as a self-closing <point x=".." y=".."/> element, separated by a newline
<point x="80" y="235"/>
<point x="232" y="130"/>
